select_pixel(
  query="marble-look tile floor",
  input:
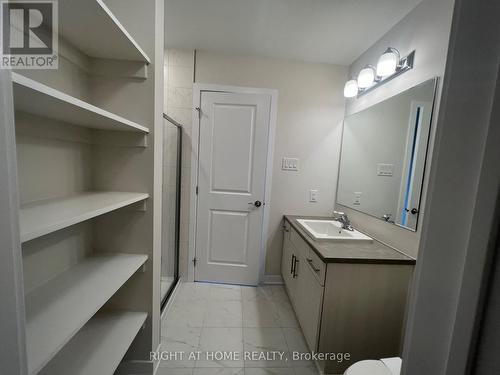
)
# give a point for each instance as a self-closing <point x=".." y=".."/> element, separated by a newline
<point x="207" y="318"/>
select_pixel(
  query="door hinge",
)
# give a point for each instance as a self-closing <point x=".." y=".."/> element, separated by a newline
<point x="195" y="261"/>
<point x="199" y="112"/>
<point x="196" y="190"/>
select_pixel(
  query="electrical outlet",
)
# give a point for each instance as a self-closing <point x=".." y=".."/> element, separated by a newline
<point x="290" y="164"/>
<point x="313" y="195"/>
<point x="357" y="198"/>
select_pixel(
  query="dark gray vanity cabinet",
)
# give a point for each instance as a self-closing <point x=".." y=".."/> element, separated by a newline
<point x="345" y="305"/>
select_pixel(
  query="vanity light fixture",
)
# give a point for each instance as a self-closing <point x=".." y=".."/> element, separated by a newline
<point x="388" y="62"/>
<point x="366" y="77"/>
<point x="389" y="66"/>
<point x="351" y="88"/>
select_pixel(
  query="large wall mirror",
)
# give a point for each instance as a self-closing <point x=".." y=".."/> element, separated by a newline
<point x="384" y="150"/>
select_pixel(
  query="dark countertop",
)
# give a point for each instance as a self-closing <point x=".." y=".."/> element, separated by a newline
<point x="349" y="252"/>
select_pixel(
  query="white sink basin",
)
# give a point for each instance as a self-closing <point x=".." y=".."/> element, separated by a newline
<point x="322" y="230"/>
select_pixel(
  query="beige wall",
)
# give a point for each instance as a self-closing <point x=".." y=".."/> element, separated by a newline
<point x="425" y="29"/>
<point x="310" y="112"/>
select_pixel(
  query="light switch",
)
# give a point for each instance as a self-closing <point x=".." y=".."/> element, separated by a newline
<point x="386" y="170"/>
<point x="313" y="195"/>
<point x="290" y="164"/>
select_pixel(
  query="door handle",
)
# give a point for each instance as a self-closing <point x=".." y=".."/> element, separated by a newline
<point x="310" y="261"/>
<point x="413" y="211"/>
<point x="256" y="203"/>
<point x="292" y="264"/>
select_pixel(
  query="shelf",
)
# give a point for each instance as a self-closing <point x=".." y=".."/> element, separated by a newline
<point x="99" y="347"/>
<point x="36" y="98"/>
<point x="47" y="216"/>
<point x="57" y="310"/>
<point x="91" y="27"/>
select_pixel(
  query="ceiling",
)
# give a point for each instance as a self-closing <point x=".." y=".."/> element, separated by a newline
<point x="328" y="31"/>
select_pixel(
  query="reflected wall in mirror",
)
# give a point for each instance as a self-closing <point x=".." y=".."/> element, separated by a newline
<point x="384" y="150"/>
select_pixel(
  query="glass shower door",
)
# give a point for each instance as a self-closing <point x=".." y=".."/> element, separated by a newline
<point x="172" y="153"/>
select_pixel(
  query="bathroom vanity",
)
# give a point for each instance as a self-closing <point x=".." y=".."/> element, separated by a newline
<point x="349" y="296"/>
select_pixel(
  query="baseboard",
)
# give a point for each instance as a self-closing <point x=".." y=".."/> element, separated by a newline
<point x="171" y="299"/>
<point x="273" y="280"/>
<point x="136" y="368"/>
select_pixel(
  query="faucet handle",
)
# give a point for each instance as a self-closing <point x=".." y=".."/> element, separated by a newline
<point x="338" y="213"/>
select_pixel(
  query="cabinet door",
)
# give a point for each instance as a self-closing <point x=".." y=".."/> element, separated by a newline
<point x="288" y="266"/>
<point x="308" y="305"/>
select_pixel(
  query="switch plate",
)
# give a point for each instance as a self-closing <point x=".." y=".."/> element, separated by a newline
<point x="386" y="170"/>
<point x="313" y="195"/>
<point x="290" y="164"/>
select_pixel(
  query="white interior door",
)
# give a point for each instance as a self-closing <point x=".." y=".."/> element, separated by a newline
<point x="234" y="131"/>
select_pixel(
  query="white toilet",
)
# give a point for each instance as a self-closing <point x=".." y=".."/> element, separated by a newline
<point x="385" y="366"/>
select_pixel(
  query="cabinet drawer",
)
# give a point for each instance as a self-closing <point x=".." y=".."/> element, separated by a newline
<point x="286" y="229"/>
<point x="299" y="243"/>
<point x="317" y="266"/>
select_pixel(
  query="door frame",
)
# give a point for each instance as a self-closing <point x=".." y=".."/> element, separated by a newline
<point x="198" y="88"/>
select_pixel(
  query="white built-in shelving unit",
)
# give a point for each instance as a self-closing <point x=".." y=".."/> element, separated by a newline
<point x="92" y="28"/>
<point x="38" y="99"/>
<point x="84" y="183"/>
<point x="99" y="346"/>
<point x="59" y="308"/>
<point x="43" y="217"/>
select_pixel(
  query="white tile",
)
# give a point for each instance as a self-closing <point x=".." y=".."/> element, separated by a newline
<point x="213" y="341"/>
<point x="296" y="343"/>
<point x="279" y="294"/>
<point x="186" y="313"/>
<point x="268" y="371"/>
<point x="223" y="314"/>
<point x="178" y="340"/>
<point x="295" y="340"/>
<point x="179" y="57"/>
<point x="182" y="115"/>
<point x="180" y="97"/>
<point x="193" y="291"/>
<point x="260" y="313"/>
<point x="174" y="371"/>
<point x="259" y="293"/>
<point x="180" y="76"/>
<point x="219" y="371"/>
<point x="286" y="315"/>
<point x="222" y="292"/>
<point x="265" y="340"/>
<point x="187" y="336"/>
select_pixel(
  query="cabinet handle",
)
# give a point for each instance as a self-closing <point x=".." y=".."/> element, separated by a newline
<point x="292" y="265"/>
<point x="295" y="268"/>
<point x="310" y="261"/>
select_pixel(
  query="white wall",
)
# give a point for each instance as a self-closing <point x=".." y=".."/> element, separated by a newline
<point x="310" y="112"/>
<point x="425" y="29"/>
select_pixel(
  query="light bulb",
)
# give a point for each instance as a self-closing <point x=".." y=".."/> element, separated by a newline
<point x="366" y="77"/>
<point x="351" y="88"/>
<point x="388" y="62"/>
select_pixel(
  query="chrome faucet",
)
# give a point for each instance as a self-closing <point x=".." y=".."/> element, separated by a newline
<point x="343" y="219"/>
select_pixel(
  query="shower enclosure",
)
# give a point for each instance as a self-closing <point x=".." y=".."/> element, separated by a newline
<point x="172" y="154"/>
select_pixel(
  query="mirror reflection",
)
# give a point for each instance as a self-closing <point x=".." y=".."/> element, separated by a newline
<point x="384" y="149"/>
